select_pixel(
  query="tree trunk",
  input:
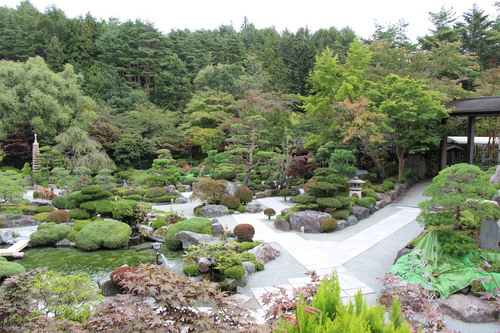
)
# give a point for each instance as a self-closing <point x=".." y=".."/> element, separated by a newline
<point x="400" y="153"/>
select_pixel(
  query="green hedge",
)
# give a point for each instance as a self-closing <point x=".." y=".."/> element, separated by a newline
<point x="8" y="268"/>
<point x="342" y="214"/>
<point x="195" y="224"/>
<point x="103" y="234"/>
<point x="48" y="234"/>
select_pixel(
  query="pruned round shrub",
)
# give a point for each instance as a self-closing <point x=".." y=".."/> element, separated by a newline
<point x="329" y="225"/>
<point x="241" y="209"/>
<point x="247" y="256"/>
<point x="59" y="216"/>
<point x="235" y="272"/>
<point x="164" y="198"/>
<point x="195" y="224"/>
<point x="37" y="209"/>
<point x="103" y="234"/>
<point x="244" y="232"/>
<point x="269" y="212"/>
<point x="60" y="202"/>
<point x="329" y="202"/>
<point x="133" y="197"/>
<point x="191" y="270"/>
<point x="342" y="214"/>
<point x="369" y="192"/>
<point x="48" y="234"/>
<point x="230" y="201"/>
<point x="118" y="275"/>
<point x="159" y="222"/>
<point x="155" y="192"/>
<point x="304" y="199"/>
<point x="366" y="202"/>
<point x="44" y="193"/>
<point x="245" y="194"/>
<point x="79" y="225"/>
<point x="79" y="214"/>
<point x="8" y="268"/>
<point x="245" y="246"/>
<point x="40" y="217"/>
<point x="122" y="210"/>
<point x="104" y="207"/>
<point x="259" y="266"/>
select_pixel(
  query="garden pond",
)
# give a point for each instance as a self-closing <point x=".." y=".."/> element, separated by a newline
<point x="95" y="264"/>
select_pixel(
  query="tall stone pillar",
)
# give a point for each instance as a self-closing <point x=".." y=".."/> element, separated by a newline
<point x="35" y="165"/>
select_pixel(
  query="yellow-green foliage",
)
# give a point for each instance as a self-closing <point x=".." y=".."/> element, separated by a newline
<point x="104" y="234"/>
<point x="49" y="234"/>
<point x="8" y="268"/>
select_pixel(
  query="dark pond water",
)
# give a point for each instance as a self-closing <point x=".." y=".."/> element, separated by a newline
<point x="95" y="264"/>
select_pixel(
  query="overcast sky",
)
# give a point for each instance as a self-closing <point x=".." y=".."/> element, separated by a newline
<point x="360" y="15"/>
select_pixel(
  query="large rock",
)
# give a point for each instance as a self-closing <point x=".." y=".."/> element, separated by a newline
<point x="393" y="195"/>
<point x="187" y="188"/>
<point x="341" y="224"/>
<point x="253" y="207"/>
<point x="285" y="211"/>
<point x="181" y="200"/>
<point x="282" y="224"/>
<point x="6" y="236"/>
<point x="384" y="198"/>
<point x="217" y="229"/>
<point x="405" y="250"/>
<point x="261" y="195"/>
<point x="361" y="212"/>
<point x="63" y="243"/>
<point x="18" y="221"/>
<point x="352" y="220"/>
<point x="230" y="188"/>
<point x="400" y="187"/>
<point x="496" y="176"/>
<point x="108" y="287"/>
<point x="469" y="309"/>
<point x="310" y="220"/>
<point x="249" y="267"/>
<point x="205" y="264"/>
<point x="210" y="211"/>
<point x="265" y="253"/>
<point x="192" y="238"/>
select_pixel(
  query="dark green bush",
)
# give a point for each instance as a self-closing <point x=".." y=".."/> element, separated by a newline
<point x="245" y="246"/>
<point x="37" y="209"/>
<point x="244" y="232"/>
<point x="304" y="199"/>
<point x="133" y="197"/>
<point x="103" y="234"/>
<point x="92" y="192"/>
<point x="165" y="198"/>
<point x="269" y="212"/>
<point x="329" y="225"/>
<point x="456" y="243"/>
<point x="72" y="204"/>
<point x="155" y="192"/>
<point x="79" y="214"/>
<point x="235" y="272"/>
<point x="8" y="268"/>
<point x="48" y="234"/>
<point x="159" y="222"/>
<point x="195" y="224"/>
<point x="191" y="270"/>
<point x="58" y="216"/>
<point x="370" y="192"/>
<point x="386" y="186"/>
<point x="60" y="202"/>
<point x="122" y="210"/>
<point x="342" y="214"/>
<point x="104" y="207"/>
<point x="230" y="201"/>
<point x="366" y="202"/>
<point x="245" y="194"/>
<point x="329" y="202"/>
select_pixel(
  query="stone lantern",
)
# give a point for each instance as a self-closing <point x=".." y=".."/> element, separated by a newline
<point x="355" y="187"/>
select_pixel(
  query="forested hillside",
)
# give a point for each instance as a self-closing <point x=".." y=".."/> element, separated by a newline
<point x="238" y="98"/>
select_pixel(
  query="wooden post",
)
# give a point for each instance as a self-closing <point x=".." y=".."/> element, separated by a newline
<point x="471" y="129"/>
<point x="444" y="148"/>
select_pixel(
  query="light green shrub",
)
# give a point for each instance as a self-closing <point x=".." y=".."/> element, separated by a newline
<point x="235" y="272"/>
<point x="103" y="234"/>
<point x="48" y="234"/>
<point x="195" y="224"/>
<point x="8" y="268"/>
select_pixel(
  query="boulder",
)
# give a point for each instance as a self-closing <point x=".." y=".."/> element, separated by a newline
<point x="39" y="203"/>
<point x="282" y="224"/>
<point x="310" y="220"/>
<point x="144" y="229"/>
<point x="361" y="212"/>
<point x="6" y="236"/>
<point x="402" y="252"/>
<point x="181" y="200"/>
<point x="380" y="204"/>
<point x="253" y="207"/>
<point x="205" y="263"/>
<point x="108" y="286"/>
<point x="496" y="198"/>
<point x="496" y="176"/>
<point x="63" y="243"/>
<point x="230" y="188"/>
<point x="469" y="309"/>
<point x="399" y="187"/>
<point x="249" y="267"/>
<point x="192" y="238"/>
<point x="19" y="221"/>
<point x="341" y="224"/>
<point x="265" y="253"/>
<point x="261" y="195"/>
<point x="285" y="211"/>
<point x="210" y="211"/>
<point x="373" y="208"/>
<point x="352" y="220"/>
<point x="187" y="188"/>
<point x="393" y="195"/>
<point x="386" y="199"/>
<point x="217" y="229"/>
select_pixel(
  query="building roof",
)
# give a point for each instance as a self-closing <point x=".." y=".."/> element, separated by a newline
<point x="478" y="140"/>
<point x="479" y="107"/>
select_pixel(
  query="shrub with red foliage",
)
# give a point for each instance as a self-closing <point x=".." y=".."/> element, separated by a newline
<point x="245" y="194"/>
<point x="300" y="167"/>
<point x="59" y="216"/>
<point x="119" y="274"/>
<point x="230" y="201"/>
<point x="244" y="232"/>
<point x="44" y="193"/>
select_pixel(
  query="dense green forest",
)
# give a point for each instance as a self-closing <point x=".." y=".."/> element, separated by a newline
<point x="110" y="93"/>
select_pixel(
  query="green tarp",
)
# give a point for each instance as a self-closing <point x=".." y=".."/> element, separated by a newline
<point x="433" y="269"/>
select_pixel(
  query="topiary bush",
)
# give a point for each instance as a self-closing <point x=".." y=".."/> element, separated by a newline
<point x="366" y="202"/>
<point x="195" y="224"/>
<point x="342" y="214"/>
<point x="119" y="274"/>
<point x="245" y="246"/>
<point x="269" y="212"/>
<point x="79" y="225"/>
<point x="191" y="270"/>
<point x="159" y="222"/>
<point x="247" y="256"/>
<point x="121" y="210"/>
<point x="59" y="216"/>
<point x="48" y="234"/>
<point x="78" y="214"/>
<point x="40" y="217"/>
<point x="235" y="272"/>
<point x="329" y="225"/>
<point x="304" y="199"/>
<point x="230" y="201"/>
<point x="60" y="202"/>
<point x="133" y="197"/>
<point x="369" y="192"/>
<point x="155" y="192"/>
<point x="36" y="209"/>
<point x="245" y="194"/>
<point x="258" y="265"/>
<point x="165" y="198"/>
<point x="244" y="232"/>
<point x="103" y="234"/>
<point x="104" y="207"/>
<point x="329" y="203"/>
<point x="8" y="268"/>
<point x="241" y="209"/>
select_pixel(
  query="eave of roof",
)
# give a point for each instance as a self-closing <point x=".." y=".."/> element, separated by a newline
<point x="479" y="107"/>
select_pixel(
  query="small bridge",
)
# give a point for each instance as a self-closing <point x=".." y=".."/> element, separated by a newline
<point x="14" y="250"/>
